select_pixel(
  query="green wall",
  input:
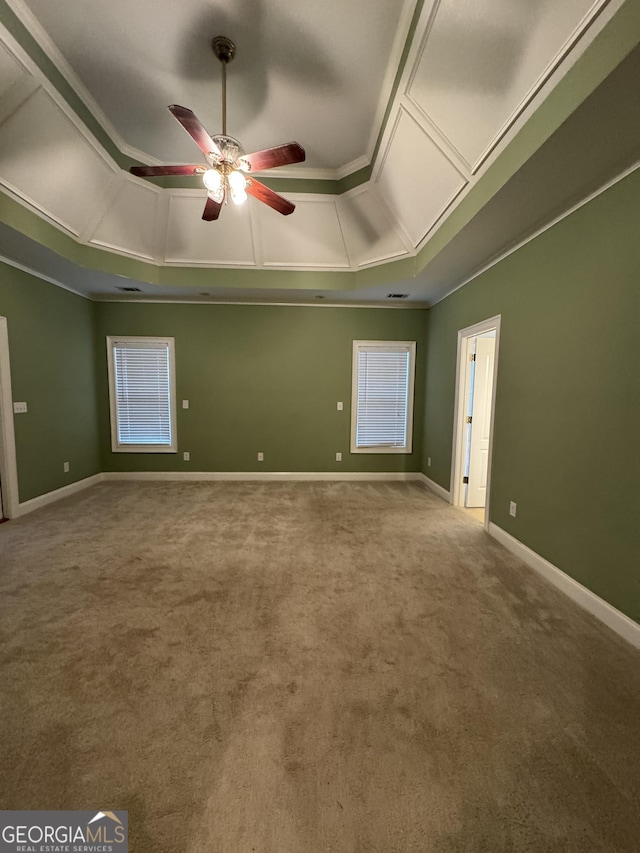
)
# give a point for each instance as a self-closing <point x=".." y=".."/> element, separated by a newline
<point x="51" y="347"/>
<point x="261" y="378"/>
<point x="567" y="421"/>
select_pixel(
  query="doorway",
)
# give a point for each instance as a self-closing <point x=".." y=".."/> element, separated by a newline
<point x="8" y="465"/>
<point x="473" y="420"/>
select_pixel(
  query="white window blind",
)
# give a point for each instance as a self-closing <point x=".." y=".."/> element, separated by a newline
<point x="383" y="396"/>
<point x="141" y="385"/>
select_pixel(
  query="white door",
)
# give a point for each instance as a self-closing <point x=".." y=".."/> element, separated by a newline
<point x="481" y="421"/>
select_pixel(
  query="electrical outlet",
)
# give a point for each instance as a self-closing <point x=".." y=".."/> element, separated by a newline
<point x="185" y="404"/>
<point x="19" y="408"/>
<point x="260" y="457"/>
<point x="65" y="467"/>
<point x="338" y="457"/>
<point x="513" y="506"/>
<point x="340" y="406"/>
<point x="428" y="461"/>
<point x="186" y="456"/>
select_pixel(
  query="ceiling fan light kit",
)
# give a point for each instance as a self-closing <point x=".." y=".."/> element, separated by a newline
<point x="227" y="170"/>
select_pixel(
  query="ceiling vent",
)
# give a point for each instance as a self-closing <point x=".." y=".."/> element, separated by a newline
<point x="397" y="295"/>
<point x="129" y="289"/>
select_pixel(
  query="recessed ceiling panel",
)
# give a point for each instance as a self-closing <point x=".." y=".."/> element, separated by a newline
<point x="130" y="224"/>
<point x="416" y="180"/>
<point x="311" y="237"/>
<point x="58" y="171"/>
<point x="298" y="71"/>
<point x="192" y="241"/>
<point x="10" y="70"/>
<point x="369" y="232"/>
<point x="483" y="59"/>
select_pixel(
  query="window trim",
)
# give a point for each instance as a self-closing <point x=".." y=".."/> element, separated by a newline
<point x="116" y="447"/>
<point x="357" y="346"/>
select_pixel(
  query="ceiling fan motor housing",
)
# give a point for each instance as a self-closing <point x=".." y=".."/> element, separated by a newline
<point x="230" y="152"/>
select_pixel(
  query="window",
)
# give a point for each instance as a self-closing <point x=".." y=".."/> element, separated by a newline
<point x="382" y="396"/>
<point x="142" y="395"/>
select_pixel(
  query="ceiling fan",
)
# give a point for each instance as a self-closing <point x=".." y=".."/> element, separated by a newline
<point x="228" y="168"/>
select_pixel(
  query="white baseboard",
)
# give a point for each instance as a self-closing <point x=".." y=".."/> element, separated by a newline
<point x="605" y="612"/>
<point x="264" y="476"/>
<point x="194" y="476"/>
<point x="435" y="487"/>
<point x="57" y="494"/>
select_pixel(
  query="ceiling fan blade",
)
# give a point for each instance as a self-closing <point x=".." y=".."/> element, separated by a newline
<point x="264" y="194"/>
<point x="269" y="158"/>
<point x="211" y="209"/>
<point x="157" y="171"/>
<point x="195" y="129"/>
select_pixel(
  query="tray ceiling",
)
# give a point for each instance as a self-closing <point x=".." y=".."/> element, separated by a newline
<point x="472" y="74"/>
<point x="316" y="72"/>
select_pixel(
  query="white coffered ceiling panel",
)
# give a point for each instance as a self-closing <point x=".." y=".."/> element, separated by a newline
<point x="416" y="179"/>
<point x="10" y="70"/>
<point x="311" y="238"/>
<point x="130" y="224"/>
<point x="190" y="240"/>
<point x="369" y="231"/>
<point x="58" y="171"/>
<point x="482" y="60"/>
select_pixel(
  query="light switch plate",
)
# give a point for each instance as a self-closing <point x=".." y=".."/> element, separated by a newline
<point x="185" y="404"/>
<point x="340" y="406"/>
<point x="19" y="408"/>
<point x="513" y="506"/>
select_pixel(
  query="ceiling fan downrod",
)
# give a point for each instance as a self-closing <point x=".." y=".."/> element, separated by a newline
<point x="225" y="50"/>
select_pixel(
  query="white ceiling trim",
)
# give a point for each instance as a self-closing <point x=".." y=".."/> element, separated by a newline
<point x="37" y="274"/>
<point x="26" y="16"/>
<point x="379" y="176"/>
<point x="575" y="45"/>
<point x="534" y="235"/>
<point x="111" y="172"/>
<point x="402" y="34"/>
<point x="324" y="225"/>
<point x="378" y="203"/>
<point x="109" y="202"/>
<point x="318" y="174"/>
<point x="555" y="63"/>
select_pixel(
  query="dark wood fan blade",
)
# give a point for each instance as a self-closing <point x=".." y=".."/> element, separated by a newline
<point x="195" y="129"/>
<point x="281" y="155"/>
<point x="157" y="171"/>
<point x="262" y="193"/>
<point x="211" y="209"/>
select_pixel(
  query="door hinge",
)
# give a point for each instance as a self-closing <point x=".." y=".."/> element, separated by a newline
<point x="469" y="419"/>
<point x="472" y="357"/>
<point x="465" y="479"/>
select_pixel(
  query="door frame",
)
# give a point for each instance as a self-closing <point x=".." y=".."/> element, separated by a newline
<point x="462" y="380"/>
<point x="8" y="463"/>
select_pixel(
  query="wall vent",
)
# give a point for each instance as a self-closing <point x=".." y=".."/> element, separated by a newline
<point x="397" y="295"/>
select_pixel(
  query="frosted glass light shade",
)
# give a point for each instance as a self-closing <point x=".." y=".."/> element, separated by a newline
<point x="237" y="186"/>
<point x="213" y="181"/>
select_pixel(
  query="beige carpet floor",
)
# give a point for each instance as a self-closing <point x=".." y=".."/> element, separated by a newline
<point x="304" y="667"/>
